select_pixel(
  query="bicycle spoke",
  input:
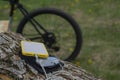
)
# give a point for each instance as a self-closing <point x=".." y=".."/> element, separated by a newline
<point x="39" y="25"/>
<point x="35" y="38"/>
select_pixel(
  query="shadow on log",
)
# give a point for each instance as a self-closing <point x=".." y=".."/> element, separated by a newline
<point x="13" y="68"/>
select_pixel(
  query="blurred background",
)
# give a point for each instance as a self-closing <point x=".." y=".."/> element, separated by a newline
<point x="99" y="21"/>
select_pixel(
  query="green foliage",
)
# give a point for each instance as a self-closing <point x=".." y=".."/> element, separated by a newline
<point x="100" y="25"/>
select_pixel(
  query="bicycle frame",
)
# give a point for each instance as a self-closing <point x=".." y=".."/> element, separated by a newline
<point x="25" y="13"/>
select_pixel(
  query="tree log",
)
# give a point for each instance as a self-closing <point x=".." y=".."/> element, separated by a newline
<point x="12" y="67"/>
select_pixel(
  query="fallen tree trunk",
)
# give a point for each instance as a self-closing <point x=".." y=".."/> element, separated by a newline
<point x="13" y="68"/>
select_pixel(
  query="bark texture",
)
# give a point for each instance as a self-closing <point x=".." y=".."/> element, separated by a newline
<point x="13" y="68"/>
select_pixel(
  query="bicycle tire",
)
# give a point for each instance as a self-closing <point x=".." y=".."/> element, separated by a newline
<point x="68" y="18"/>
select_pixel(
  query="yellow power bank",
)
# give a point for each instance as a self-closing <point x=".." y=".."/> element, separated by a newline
<point x="34" y="48"/>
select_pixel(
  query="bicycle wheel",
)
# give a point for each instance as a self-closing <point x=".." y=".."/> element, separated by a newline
<point x="56" y="29"/>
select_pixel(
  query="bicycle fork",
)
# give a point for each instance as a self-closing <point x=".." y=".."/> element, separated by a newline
<point x="11" y="15"/>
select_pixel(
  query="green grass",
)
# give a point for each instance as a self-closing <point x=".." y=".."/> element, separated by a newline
<point x="99" y="21"/>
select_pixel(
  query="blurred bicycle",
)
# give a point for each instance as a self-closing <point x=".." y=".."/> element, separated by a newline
<point x="56" y="29"/>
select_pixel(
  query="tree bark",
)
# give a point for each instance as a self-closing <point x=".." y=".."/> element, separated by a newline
<point x="12" y="67"/>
